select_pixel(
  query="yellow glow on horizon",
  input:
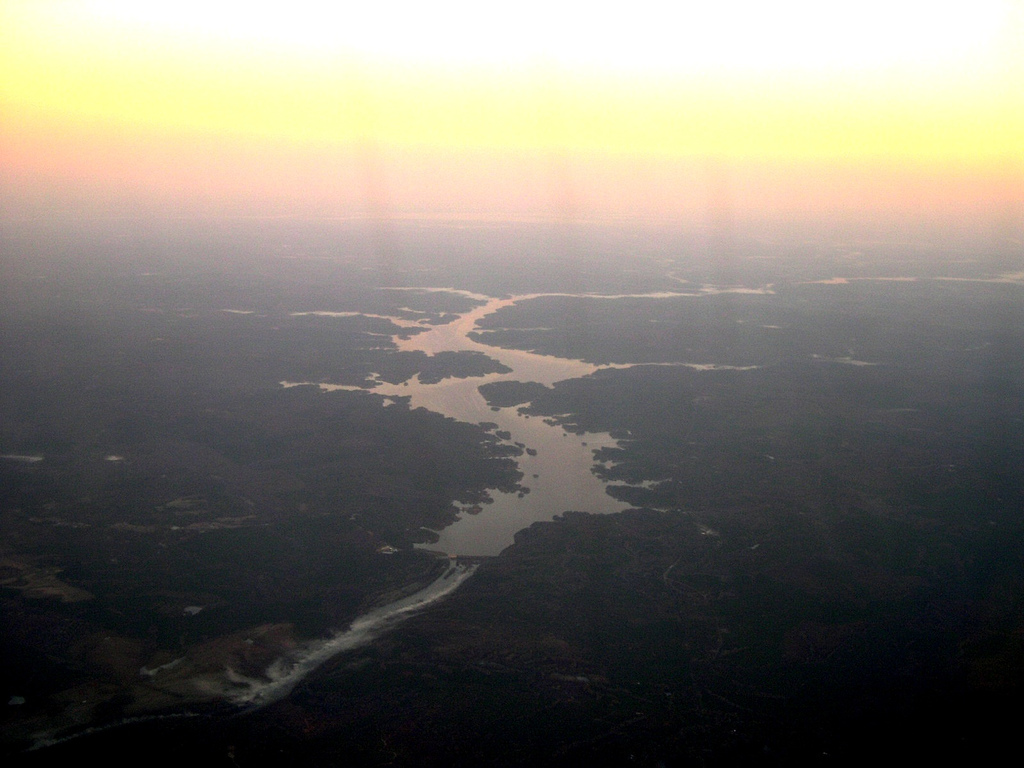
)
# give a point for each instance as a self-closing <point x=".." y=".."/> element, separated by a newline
<point x="896" y="82"/>
<point x="529" y="75"/>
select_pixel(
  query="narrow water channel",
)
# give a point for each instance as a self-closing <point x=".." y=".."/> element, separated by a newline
<point x="289" y="670"/>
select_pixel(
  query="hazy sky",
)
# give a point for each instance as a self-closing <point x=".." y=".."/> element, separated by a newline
<point x="551" y="109"/>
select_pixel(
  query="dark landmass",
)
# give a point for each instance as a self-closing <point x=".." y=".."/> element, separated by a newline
<point x="662" y="637"/>
<point x="403" y="366"/>
<point x="655" y="638"/>
<point x="881" y="322"/>
<point x="834" y="574"/>
<point x="188" y="510"/>
<point x="825" y="566"/>
<point x="506" y="394"/>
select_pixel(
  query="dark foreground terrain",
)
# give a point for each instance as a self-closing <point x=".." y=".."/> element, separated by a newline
<point x="824" y="565"/>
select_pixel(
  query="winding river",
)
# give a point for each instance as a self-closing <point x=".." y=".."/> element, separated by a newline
<point x="559" y="476"/>
<point x="558" y="469"/>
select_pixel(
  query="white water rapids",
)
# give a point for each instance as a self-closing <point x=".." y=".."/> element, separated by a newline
<point x="286" y="672"/>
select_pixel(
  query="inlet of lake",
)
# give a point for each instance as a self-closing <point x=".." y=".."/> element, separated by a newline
<point x="558" y="469"/>
<point x="559" y="476"/>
